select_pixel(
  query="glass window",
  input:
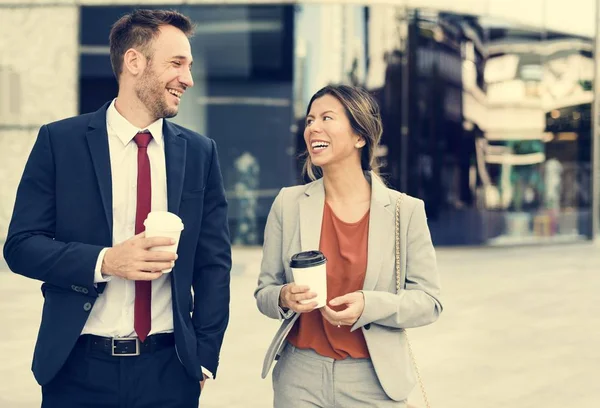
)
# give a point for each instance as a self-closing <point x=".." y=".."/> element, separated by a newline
<point x="242" y="97"/>
<point x="486" y="119"/>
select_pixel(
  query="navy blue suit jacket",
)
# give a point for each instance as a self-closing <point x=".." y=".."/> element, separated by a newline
<point x="63" y="218"/>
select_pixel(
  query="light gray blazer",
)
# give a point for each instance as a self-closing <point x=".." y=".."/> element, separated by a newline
<point x="294" y="225"/>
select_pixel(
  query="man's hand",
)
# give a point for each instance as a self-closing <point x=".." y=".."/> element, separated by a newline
<point x="355" y="304"/>
<point x="132" y="259"/>
<point x="291" y="295"/>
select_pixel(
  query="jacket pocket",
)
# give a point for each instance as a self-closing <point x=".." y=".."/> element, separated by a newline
<point x="192" y="194"/>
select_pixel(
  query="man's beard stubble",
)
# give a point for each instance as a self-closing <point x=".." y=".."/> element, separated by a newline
<point x="152" y="94"/>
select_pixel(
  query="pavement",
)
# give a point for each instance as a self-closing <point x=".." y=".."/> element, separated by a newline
<point x="519" y="330"/>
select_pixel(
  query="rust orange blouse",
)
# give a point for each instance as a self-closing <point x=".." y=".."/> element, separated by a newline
<point x="345" y="247"/>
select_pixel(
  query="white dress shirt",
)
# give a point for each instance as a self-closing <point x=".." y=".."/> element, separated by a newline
<point x="112" y="314"/>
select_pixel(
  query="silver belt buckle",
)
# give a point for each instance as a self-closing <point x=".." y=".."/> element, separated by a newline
<point x="125" y="339"/>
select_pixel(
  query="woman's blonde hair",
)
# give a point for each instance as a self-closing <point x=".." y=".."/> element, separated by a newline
<point x="365" y="119"/>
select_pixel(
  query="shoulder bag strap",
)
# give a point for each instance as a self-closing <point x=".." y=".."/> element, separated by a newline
<point x="399" y="286"/>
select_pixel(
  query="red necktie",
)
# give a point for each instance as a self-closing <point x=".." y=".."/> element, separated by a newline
<point x="143" y="289"/>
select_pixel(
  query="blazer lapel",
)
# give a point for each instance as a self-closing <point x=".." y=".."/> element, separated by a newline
<point x="97" y="139"/>
<point x="405" y="214"/>
<point x="175" y="154"/>
<point x="381" y="231"/>
<point x="311" y="216"/>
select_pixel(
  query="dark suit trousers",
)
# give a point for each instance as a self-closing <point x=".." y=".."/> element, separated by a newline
<point x="91" y="379"/>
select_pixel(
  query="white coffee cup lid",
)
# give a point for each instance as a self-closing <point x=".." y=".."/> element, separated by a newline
<point x="163" y="220"/>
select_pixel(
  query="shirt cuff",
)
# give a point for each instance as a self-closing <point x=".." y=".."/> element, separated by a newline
<point x="285" y="315"/>
<point x="98" y="276"/>
<point x="207" y="373"/>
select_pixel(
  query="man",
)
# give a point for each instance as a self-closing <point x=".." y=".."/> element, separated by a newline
<point x="115" y="330"/>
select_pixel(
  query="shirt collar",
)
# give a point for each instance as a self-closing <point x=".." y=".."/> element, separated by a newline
<point x="125" y="131"/>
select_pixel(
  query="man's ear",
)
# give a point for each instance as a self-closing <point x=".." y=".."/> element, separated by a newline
<point x="133" y="62"/>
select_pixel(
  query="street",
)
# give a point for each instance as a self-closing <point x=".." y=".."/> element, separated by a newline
<point x="519" y="329"/>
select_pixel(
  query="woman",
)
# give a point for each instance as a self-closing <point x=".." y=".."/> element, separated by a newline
<point x="353" y="351"/>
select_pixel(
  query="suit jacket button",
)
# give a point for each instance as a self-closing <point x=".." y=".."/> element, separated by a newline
<point x="74" y="288"/>
<point x="367" y="326"/>
<point x="84" y="291"/>
<point x="87" y="307"/>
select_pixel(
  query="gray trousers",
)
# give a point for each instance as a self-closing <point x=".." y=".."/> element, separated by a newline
<point x="303" y="379"/>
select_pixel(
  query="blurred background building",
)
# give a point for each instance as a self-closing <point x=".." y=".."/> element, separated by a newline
<point x="487" y="104"/>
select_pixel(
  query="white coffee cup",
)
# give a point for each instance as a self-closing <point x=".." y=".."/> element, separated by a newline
<point x="164" y="224"/>
<point x="310" y="268"/>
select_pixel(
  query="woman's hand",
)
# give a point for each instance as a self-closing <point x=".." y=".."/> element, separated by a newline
<point x="291" y="295"/>
<point x="355" y="304"/>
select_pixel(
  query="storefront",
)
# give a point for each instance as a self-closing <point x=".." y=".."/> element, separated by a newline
<point x="487" y="118"/>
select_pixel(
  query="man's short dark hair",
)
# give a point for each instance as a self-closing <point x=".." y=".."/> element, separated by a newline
<point x="138" y="29"/>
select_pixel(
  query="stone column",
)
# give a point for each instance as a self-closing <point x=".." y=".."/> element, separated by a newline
<point x="39" y="80"/>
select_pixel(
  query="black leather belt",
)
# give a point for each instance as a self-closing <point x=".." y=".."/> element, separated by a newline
<point x="127" y="346"/>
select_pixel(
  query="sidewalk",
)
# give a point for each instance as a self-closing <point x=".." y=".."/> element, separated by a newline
<point x="519" y="330"/>
<point x="3" y="265"/>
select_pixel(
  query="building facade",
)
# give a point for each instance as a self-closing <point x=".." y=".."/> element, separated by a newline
<point x="487" y="117"/>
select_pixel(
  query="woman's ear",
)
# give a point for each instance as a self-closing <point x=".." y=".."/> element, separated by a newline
<point x="360" y="143"/>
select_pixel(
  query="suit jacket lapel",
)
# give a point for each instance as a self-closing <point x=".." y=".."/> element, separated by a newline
<point x="175" y="155"/>
<point x="381" y="231"/>
<point x="97" y="138"/>
<point x="311" y="216"/>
